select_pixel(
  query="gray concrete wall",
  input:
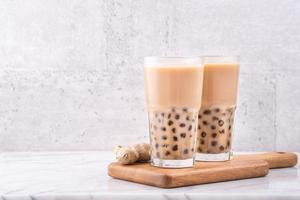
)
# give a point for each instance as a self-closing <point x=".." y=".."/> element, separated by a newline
<point x="71" y="74"/>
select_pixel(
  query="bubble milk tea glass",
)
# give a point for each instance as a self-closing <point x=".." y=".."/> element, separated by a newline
<point x="173" y="88"/>
<point x="216" y="116"/>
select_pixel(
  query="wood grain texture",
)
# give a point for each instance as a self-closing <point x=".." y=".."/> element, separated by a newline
<point x="241" y="167"/>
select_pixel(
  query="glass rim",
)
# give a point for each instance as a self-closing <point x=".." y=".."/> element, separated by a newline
<point x="173" y="61"/>
<point x="220" y="59"/>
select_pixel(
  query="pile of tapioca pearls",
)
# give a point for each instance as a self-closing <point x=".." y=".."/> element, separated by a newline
<point x="215" y="129"/>
<point x="173" y="133"/>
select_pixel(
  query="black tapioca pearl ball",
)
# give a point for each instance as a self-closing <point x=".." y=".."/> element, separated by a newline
<point x="220" y="122"/>
<point x="156" y="145"/>
<point x="192" y="149"/>
<point x="203" y="134"/>
<point x="228" y="143"/>
<point x="202" y="141"/>
<point x="183" y="135"/>
<point x="170" y="122"/>
<point x="222" y="131"/>
<point x="185" y="151"/>
<point x="184" y="109"/>
<point x="177" y="116"/>
<point x="175" y="138"/>
<point x="165" y="145"/>
<point x="173" y="109"/>
<point x="206" y="112"/>
<point x="229" y="127"/>
<point x="199" y="149"/>
<point x="199" y="127"/>
<point x="157" y="155"/>
<point x="199" y="116"/>
<point x="214" y="135"/>
<point x="175" y="147"/>
<point x="174" y="130"/>
<point x="213" y="127"/>
<point x="182" y="125"/>
<point x="163" y="128"/>
<point x="164" y="137"/>
<point x="215" y="118"/>
<point x="214" y="143"/>
<point x="169" y="115"/>
<point x="205" y="123"/>
<point x="217" y="110"/>
<point x="162" y="114"/>
<point x="167" y="153"/>
<point x="221" y="148"/>
<point x="190" y="127"/>
<point x="187" y="118"/>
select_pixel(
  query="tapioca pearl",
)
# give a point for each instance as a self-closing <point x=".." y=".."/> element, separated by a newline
<point x="213" y="127"/>
<point x="185" y="151"/>
<point x="182" y="125"/>
<point x="169" y="115"/>
<point x="174" y="130"/>
<point x="199" y="149"/>
<point x="167" y="153"/>
<point x="192" y="149"/>
<point x="183" y="135"/>
<point x="164" y="137"/>
<point x="229" y="134"/>
<point x="173" y="109"/>
<point x="220" y="122"/>
<point x="156" y="145"/>
<point x="229" y="127"/>
<point x="187" y="118"/>
<point x="163" y="128"/>
<point x="222" y="131"/>
<point x="205" y="123"/>
<point x="162" y="114"/>
<point x="157" y="154"/>
<point x="190" y="127"/>
<point x="165" y="145"/>
<point x="199" y="116"/>
<point x="216" y="110"/>
<point x="177" y="116"/>
<point x="228" y="143"/>
<point x="206" y="112"/>
<point x="175" y="138"/>
<point x="221" y="148"/>
<point x="199" y="127"/>
<point x="202" y="141"/>
<point x="214" y="143"/>
<point x="184" y="109"/>
<point x="214" y="135"/>
<point x="215" y="118"/>
<point x="175" y="147"/>
<point x="203" y="134"/>
<point x="159" y="120"/>
<point x="170" y="122"/>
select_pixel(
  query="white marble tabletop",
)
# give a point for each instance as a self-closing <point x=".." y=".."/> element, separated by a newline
<point x="83" y="175"/>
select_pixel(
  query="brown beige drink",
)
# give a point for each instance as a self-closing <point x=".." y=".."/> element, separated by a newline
<point x="173" y="91"/>
<point x="216" y="115"/>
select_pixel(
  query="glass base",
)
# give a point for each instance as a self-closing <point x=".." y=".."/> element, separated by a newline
<point x="172" y="163"/>
<point x="214" y="157"/>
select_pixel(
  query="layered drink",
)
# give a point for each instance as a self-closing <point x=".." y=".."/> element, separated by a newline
<point x="173" y="91"/>
<point x="216" y="116"/>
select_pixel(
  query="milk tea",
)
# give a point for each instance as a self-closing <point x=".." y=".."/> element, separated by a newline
<point x="173" y="92"/>
<point x="216" y="115"/>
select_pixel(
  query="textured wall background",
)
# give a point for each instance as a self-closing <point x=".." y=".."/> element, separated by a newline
<point x="71" y="70"/>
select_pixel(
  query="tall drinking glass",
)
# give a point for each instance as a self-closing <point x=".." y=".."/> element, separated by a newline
<point x="216" y="115"/>
<point x="173" y="88"/>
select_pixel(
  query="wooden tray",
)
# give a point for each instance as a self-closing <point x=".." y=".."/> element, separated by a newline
<point x="241" y="167"/>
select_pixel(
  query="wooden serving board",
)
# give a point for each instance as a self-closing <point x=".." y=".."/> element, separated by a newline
<point x="240" y="167"/>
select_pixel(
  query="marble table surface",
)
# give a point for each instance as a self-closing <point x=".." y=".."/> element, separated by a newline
<point x="83" y="175"/>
